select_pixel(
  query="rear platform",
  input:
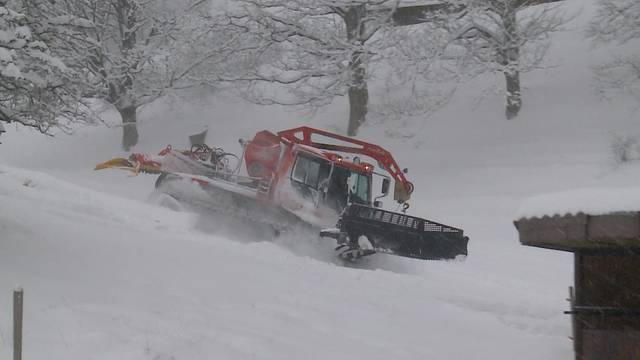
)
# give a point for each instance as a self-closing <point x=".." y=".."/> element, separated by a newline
<point x="399" y="234"/>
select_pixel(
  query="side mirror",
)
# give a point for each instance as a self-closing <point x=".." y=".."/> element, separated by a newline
<point x="385" y="186"/>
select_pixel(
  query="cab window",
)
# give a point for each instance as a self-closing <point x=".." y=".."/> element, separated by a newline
<point x="309" y="171"/>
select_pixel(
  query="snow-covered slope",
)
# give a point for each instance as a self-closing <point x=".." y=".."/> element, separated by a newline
<point x="109" y="274"/>
<point x="110" y="278"/>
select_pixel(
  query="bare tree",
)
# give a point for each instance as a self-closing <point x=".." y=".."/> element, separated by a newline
<point x="36" y="88"/>
<point x="314" y="49"/>
<point x="510" y="37"/>
<point x="618" y="21"/>
<point x="317" y="50"/>
<point x="132" y="52"/>
<point x="421" y="66"/>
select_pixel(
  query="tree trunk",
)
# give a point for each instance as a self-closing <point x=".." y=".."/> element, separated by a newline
<point x="126" y="11"/>
<point x="129" y="128"/>
<point x="514" y="100"/>
<point x="358" y="92"/>
<point x="511" y="58"/>
<point x="358" y="100"/>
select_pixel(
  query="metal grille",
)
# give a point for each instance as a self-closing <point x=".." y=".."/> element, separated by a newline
<point x="428" y="226"/>
<point x="399" y="219"/>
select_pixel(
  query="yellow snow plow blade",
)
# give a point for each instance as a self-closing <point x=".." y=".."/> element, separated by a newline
<point x="117" y="163"/>
<point x="136" y="164"/>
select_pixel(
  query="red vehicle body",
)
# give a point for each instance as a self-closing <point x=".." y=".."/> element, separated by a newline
<point x="277" y="158"/>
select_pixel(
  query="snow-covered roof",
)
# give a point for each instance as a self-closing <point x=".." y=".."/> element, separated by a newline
<point x="592" y="201"/>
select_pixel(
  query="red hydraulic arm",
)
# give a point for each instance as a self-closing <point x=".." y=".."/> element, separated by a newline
<point x="364" y="148"/>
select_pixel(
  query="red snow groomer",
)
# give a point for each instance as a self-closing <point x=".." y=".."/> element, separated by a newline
<point x="309" y="176"/>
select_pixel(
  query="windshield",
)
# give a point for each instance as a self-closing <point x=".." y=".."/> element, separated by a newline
<point x="346" y="184"/>
<point x="359" y="187"/>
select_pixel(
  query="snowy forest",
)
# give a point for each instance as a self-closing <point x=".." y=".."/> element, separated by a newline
<point x="234" y="232"/>
<point x="59" y="56"/>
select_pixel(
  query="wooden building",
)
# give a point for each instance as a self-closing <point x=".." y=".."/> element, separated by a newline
<point x="605" y="301"/>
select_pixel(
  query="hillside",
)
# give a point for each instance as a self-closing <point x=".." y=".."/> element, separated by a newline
<point x="108" y="273"/>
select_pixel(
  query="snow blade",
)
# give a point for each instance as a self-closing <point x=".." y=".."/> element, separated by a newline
<point x="400" y="234"/>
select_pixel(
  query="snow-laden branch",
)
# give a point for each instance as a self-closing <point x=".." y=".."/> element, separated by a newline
<point x="132" y="52"/>
<point x="36" y="88"/>
<point x="617" y="21"/>
<point x="309" y="49"/>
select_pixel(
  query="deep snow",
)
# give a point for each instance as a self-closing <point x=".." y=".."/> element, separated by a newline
<point x="111" y="278"/>
<point x="110" y="274"/>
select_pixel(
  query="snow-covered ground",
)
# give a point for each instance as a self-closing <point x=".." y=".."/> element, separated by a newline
<point x="109" y="274"/>
<point x="109" y="278"/>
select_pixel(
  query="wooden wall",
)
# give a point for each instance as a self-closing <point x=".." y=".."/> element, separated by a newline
<point x="606" y="309"/>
